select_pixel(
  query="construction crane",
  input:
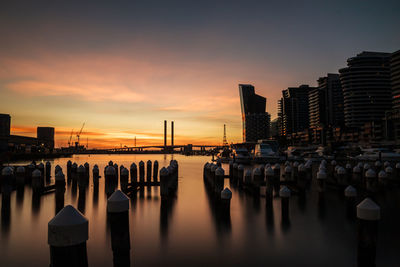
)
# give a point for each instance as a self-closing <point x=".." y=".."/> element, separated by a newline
<point x="70" y="138"/>
<point x="78" y="135"/>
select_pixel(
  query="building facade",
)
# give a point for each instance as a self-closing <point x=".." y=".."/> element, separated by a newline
<point x="395" y="83"/>
<point x="366" y="88"/>
<point x="45" y="136"/>
<point x="255" y="120"/>
<point x="5" y="124"/>
<point x="295" y="109"/>
<point x="44" y="140"/>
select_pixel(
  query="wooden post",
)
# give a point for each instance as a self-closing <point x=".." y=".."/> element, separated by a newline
<point x="308" y="166"/>
<point x="288" y="173"/>
<point x="382" y="178"/>
<point x="295" y="170"/>
<point x="111" y="180"/>
<point x="68" y="232"/>
<point x="124" y="177"/>
<point x="368" y="215"/>
<point x="205" y="171"/>
<point x="386" y="164"/>
<point x="231" y="169"/>
<point x="29" y="172"/>
<point x="82" y="188"/>
<point x="60" y="190"/>
<point x="116" y="171"/>
<point x="81" y="176"/>
<point x="277" y="177"/>
<point x="341" y="176"/>
<point x="240" y="174"/>
<point x="212" y="175"/>
<point x="20" y="177"/>
<point x="302" y="178"/>
<point x="333" y="169"/>
<point x="371" y="181"/>
<point x="351" y="196"/>
<point x="37" y="186"/>
<point x="226" y="196"/>
<point x="40" y="167"/>
<point x="7" y="174"/>
<point x="219" y="181"/>
<point x="164" y="180"/>
<point x="155" y="171"/>
<point x="378" y="166"/>
<point x="133" y="170"/>
<point x="321" y="177"/>
<point x="96" y="175"/>
<point x="235" y="172"/>
<point x="389" y="172"/>
<point x="87" y="171"/>
<point x="349" y="169"/>
<point x="57" y="168"/>
<point x="118" y="215"/>
<point x="284" y="193"/>
<point x="357" y="179"/>
<point x="74" y="172"/>
<point x="247" y="178"/>
<point x="48" y="171"/>
<point x="141" y="172"/>
<point x="269" y="174"/>
<point x="69" y="168"/>
<point x="258" y="179"/>
<point x="398" y="171"/>
<point x="148" y="177"/>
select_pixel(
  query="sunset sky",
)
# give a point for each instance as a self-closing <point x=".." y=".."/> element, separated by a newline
<point x="122" y="67"/>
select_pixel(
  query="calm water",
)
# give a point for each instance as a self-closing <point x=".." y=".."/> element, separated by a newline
<point x="190" y="234"/>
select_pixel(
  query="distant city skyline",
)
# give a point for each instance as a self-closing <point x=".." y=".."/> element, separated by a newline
<point x="124" y="68"/>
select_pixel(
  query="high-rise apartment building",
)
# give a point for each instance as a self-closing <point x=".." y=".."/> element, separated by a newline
<point x="255" y="120"/>
<point x="366" y="88"/>
<point x="395" y="83"/>
<point x="326" y="102"/>
<point x="295" y="109"/>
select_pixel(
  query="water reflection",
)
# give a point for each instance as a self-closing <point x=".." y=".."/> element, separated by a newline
<point x="36" y="203"/>
<point x="221" y="217"/>
<point x="5" y="214"/>
<point x="166" y="211"/>
<point x="269" y="217"/>
<point x="191" y="229"/>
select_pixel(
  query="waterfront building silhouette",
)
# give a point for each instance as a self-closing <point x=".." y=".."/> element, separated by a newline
<point x="325" y="107"/>
<point x="395" y="83"/>
<point x="44" y="139"/>
<point x="5" y="124"/>
<point x="255" y="120"/>
<point x="366" y="88"/>
<point x="294" y="109"/>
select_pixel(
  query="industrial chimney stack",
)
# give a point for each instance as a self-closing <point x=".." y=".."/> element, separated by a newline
<point x="165" y="134"/>
<point x="172" y="134"/>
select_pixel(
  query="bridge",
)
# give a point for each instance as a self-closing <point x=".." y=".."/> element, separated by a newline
<point x="189" y="148"/>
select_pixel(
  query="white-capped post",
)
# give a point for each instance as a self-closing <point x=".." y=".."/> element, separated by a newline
<point x="118" y="216"/>
<point x="284" y="194"/>
<point x="68" y="232"/>
<point x="368" y="216"/>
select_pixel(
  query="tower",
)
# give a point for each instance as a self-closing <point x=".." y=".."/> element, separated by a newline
<point x="224" y="142"/>
<point x="172" y="134"/>
<point x="165" y="134"/>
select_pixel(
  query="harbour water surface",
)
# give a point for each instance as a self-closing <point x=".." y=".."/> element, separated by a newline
<point x="190" y="233"/>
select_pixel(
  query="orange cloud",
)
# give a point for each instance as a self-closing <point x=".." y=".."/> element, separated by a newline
<point x="92" y="93"/>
